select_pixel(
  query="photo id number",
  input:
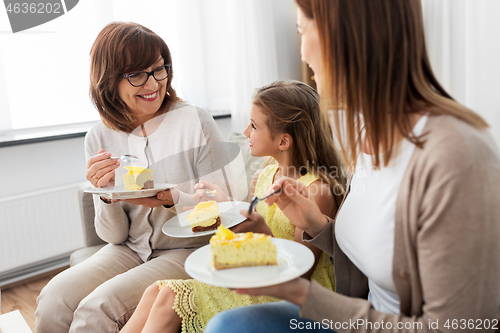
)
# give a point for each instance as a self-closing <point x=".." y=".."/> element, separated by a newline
<point x="34" y="8"/>
<point x="471" y="324"/>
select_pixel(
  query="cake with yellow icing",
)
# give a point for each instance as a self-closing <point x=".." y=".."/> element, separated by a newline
<point x="230" y="250"/>
<point x="205" y="216"/>
<point x="138" y="178"/>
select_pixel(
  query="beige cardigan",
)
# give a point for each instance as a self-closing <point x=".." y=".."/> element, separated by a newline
<point x="446" y="264"/>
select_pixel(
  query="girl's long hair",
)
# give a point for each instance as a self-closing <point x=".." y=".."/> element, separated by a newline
<point x="375" y="67"/>
<point x="293" y="107"/>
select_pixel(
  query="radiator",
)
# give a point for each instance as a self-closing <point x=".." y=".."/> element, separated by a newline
<point x="38" y="228"/>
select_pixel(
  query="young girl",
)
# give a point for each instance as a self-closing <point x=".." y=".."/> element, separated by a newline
<point x="287" y="126"/>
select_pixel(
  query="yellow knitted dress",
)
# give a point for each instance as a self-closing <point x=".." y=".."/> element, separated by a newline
<point x="197" y="302"/>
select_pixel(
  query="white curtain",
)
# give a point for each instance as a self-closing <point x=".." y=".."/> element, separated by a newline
<point x="254" y="61"/>
<point x="463" y="39"/>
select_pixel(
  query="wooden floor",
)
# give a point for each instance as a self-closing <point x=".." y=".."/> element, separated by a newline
<point x="22" y="296"/>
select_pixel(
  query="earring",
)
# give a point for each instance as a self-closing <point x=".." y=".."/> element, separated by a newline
<point x="281" y="151"/>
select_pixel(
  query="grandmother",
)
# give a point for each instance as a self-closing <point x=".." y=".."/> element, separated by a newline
<point x="130" y="84"/>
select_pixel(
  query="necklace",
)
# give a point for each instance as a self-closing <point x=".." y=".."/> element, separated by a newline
<point x="147" y="149"/>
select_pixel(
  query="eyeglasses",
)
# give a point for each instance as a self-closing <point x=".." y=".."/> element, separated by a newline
<point x="138" y="79"/>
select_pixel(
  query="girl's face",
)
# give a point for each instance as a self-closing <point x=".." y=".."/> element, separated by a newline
<point x="310" y="46"/>
<point x="259" y="135"/>
<point x="144" y="101"/>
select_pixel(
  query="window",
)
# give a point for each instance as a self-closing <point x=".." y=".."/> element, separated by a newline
<point x="44" y="71"/>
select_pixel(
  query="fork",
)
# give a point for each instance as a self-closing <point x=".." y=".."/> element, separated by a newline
<point x="256" y="200"/>
<point x="209" y="193"/>
<point x="126" y="158"/>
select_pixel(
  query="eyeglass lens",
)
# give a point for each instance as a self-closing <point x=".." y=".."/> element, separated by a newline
<point x="140" y="78"/>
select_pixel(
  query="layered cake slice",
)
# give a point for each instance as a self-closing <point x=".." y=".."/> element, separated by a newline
<point x="138" y="178"/>
<point x="205" y="216"/>
<point x="230" y="250"/>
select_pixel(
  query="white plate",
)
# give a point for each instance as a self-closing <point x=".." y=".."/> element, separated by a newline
<point x="118" y="192"/>
<point x="178" y="226"/>
<point x="294" y="259"/>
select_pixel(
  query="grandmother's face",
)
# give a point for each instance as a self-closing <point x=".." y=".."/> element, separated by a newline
<point x="309" y="47"/>
<point x="144" y="101"/>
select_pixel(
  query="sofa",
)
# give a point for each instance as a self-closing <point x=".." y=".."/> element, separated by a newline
<point x="92" y="242"/>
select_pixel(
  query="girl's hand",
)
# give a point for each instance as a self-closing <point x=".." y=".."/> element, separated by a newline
<point x="168" y="197"/>
<point x="254" y="223"/>
<point x="294" y="291"/>
<point x="295" y="202"/>
<point x="202" y="186"/>
<point x="100" y="169"/>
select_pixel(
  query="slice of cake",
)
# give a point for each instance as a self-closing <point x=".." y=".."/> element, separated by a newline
<point x="230" y="250"/>
<point x="205" y="216"/>
<point x="138" y="178"/>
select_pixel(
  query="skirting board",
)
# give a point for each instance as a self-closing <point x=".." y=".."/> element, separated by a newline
<point x="30" y="271"/>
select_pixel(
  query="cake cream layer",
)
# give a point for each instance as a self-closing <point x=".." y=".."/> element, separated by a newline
<point x="231" y="250"/>
<point x="138" y="178"/>
<point x="204" y="214"/>
<point x="204" y="223"/>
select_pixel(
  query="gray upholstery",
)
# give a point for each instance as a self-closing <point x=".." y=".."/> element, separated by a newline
<point x="87" y="212"/>
<point x="80" y="255"/>
<point x="93" y="243"/>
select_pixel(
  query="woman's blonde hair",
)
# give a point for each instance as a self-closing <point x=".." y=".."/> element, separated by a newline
<point x="375" y="67"/>
<point x="124" y="47"/>
<point x="292" y="107"/>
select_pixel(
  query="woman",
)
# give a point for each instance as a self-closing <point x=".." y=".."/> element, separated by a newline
<point x="415" y="242"/>
<point x="131" y="74"/>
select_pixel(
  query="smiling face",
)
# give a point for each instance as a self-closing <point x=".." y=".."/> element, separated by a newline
<point x="310" y="46"/>
<point x="259" y="135"/>
<point x="146" y="100"/>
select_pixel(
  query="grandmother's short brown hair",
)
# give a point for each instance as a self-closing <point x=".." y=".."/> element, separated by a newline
<point x="123" y="47"/>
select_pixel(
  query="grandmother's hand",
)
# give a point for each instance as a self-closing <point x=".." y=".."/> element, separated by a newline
<point x="203" y="186"/>
<point x="295" y="202"/>
<point x="294" y="291"/>
<point x="100" y="169"/>
<point x="168" y="197"/>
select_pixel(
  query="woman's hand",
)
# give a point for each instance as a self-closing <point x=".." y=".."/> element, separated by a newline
<point x="254" y="223"/>
<point x="202" y="186"/>
<point x="294" y="291"/>
<point x="168" y="197"/>
<point x="100" y="169"/>
<point x="295" y="202"/>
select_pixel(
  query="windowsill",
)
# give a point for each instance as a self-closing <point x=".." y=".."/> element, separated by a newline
<point x="42" y="134"/>
<point x="50" y="133"/>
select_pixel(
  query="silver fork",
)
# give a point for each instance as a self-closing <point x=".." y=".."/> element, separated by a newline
<point x="256" y="200"/>
<point x="126" y="158"/>
<point x="209" y="193"/>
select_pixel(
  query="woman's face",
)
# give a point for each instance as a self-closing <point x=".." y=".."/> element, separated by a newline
<point x="143" y="101"/>
<point x="310" y="46"/>
<point x="259" y="135"/>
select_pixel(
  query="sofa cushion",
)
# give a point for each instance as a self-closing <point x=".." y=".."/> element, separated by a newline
<point x="80" y="255"/>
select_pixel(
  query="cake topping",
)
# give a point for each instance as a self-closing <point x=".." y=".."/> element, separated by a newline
<point x="224" y="233"/>
<point x="135" y="170"/>
<point x="206" y="205"/>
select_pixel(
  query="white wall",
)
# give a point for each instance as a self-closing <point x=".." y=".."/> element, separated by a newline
<point x="30" y="167"/>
